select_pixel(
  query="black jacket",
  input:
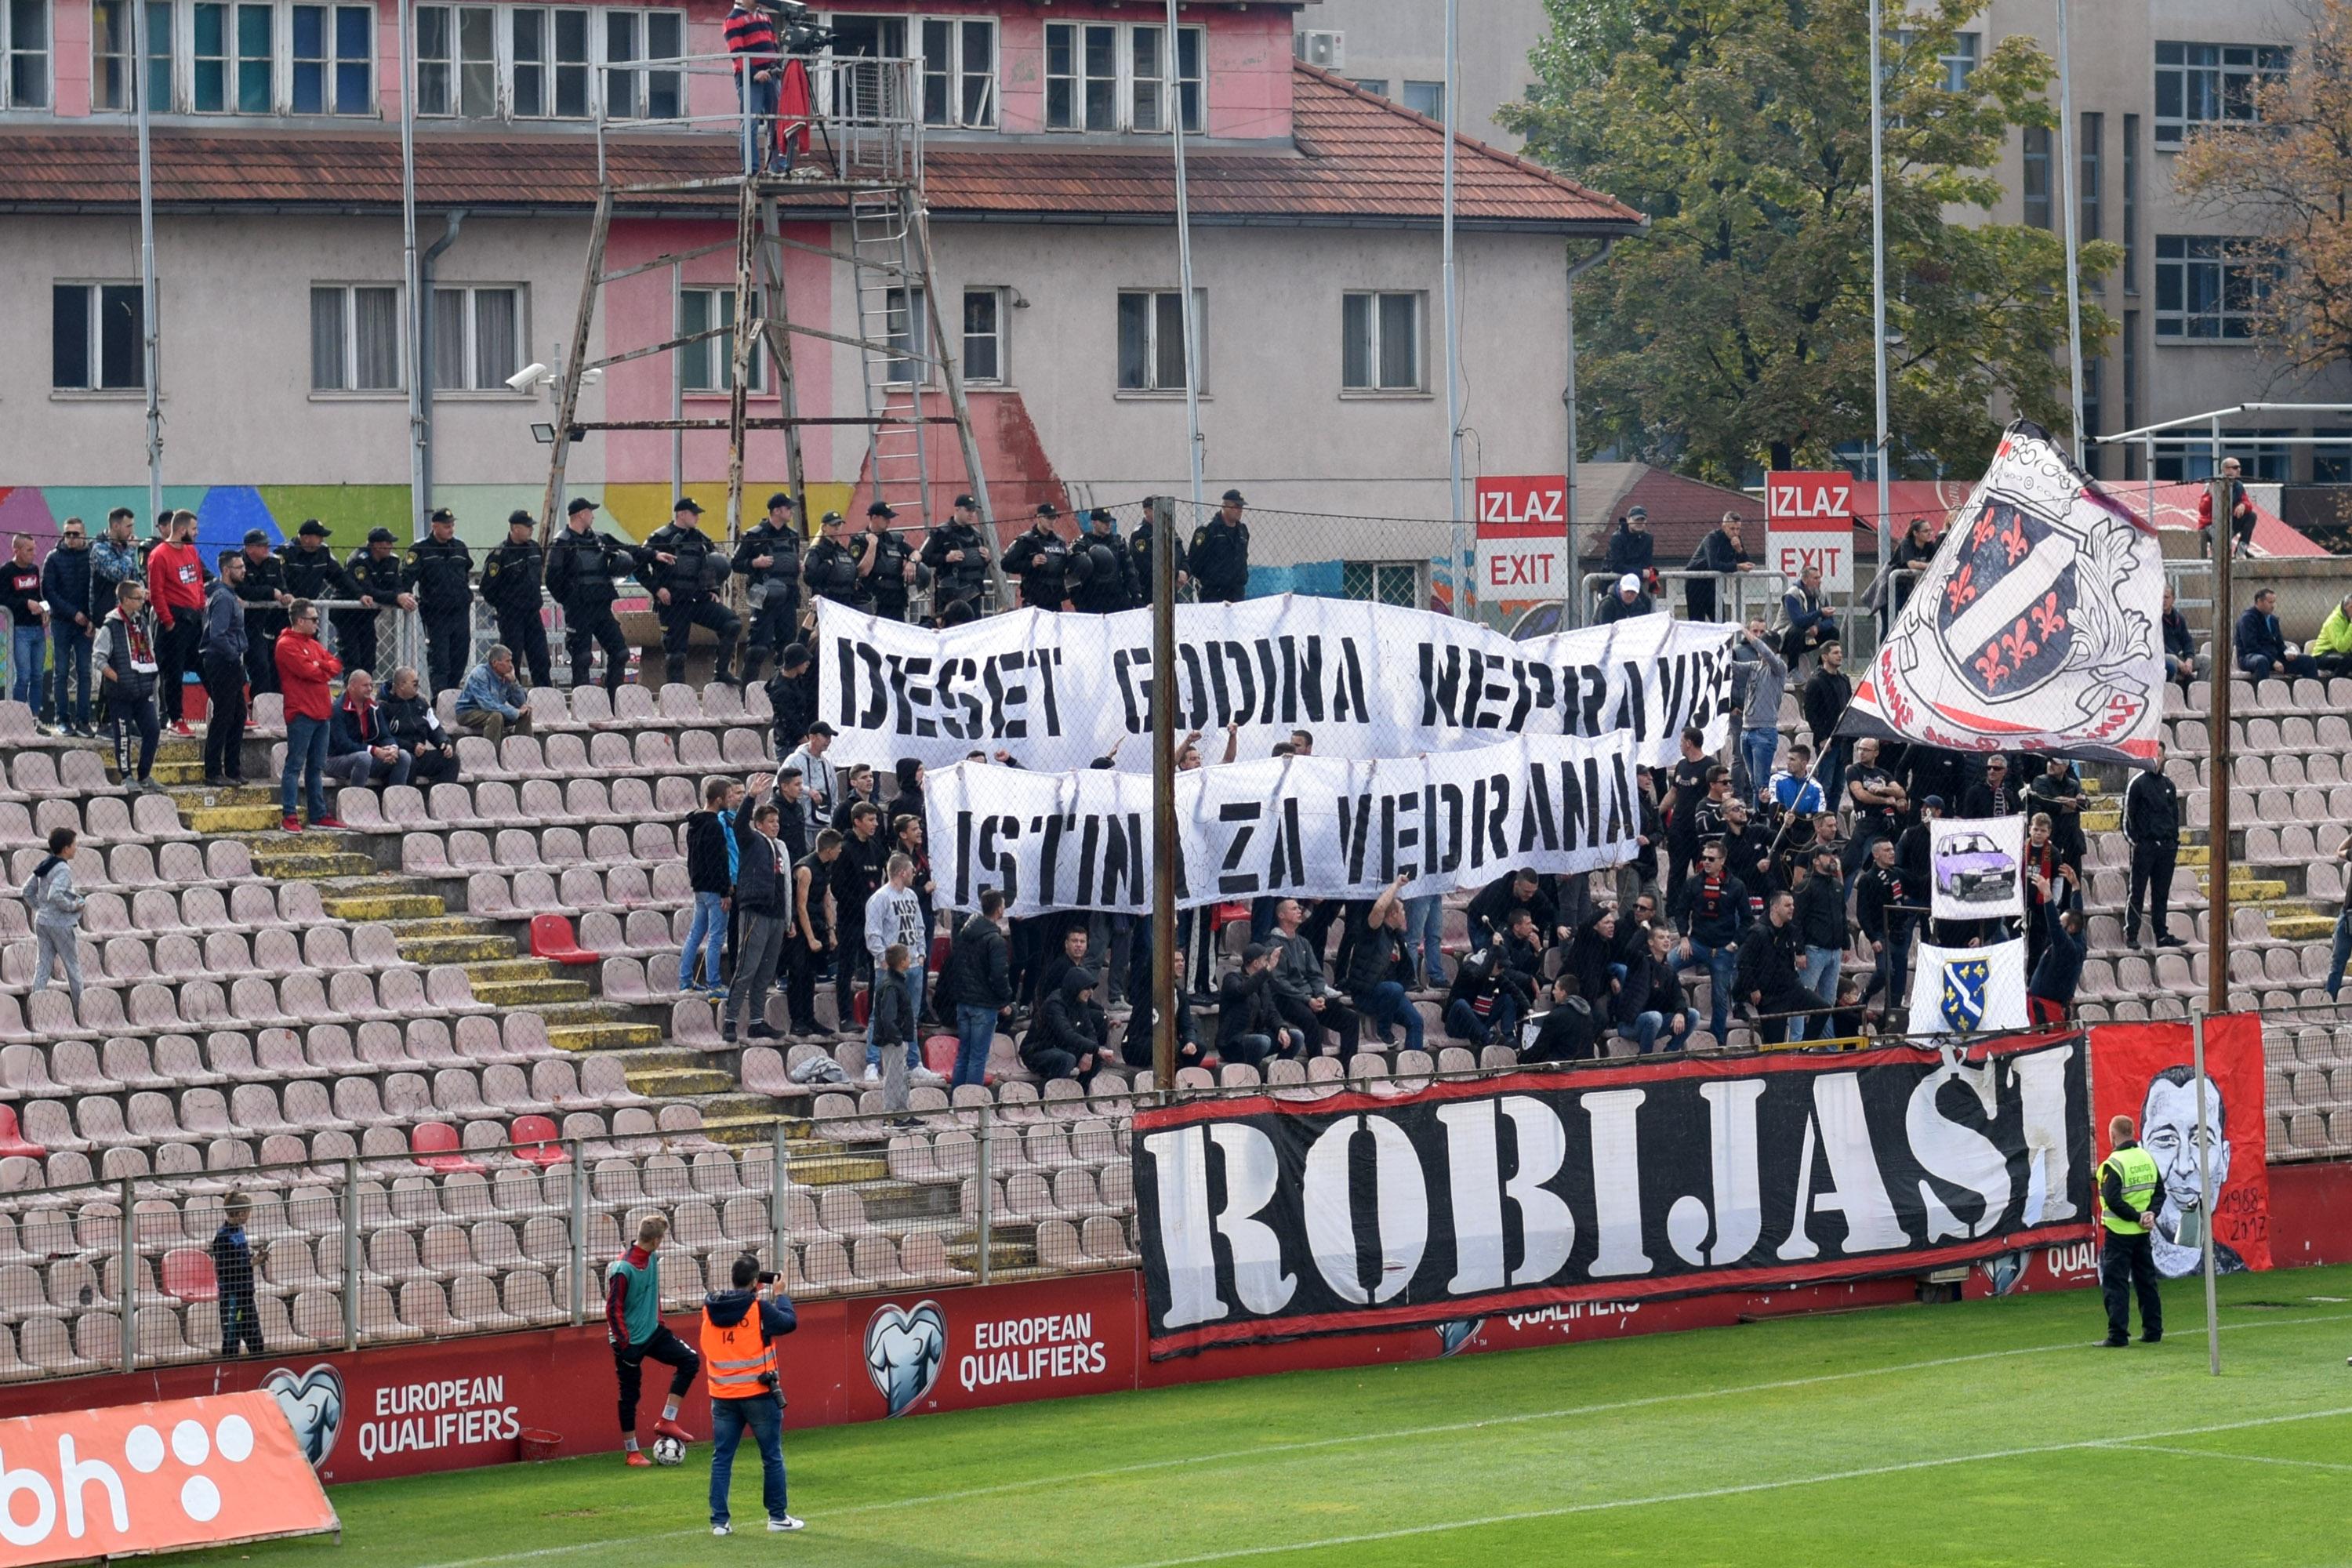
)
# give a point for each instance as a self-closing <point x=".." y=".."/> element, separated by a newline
<point x="1486" y="974"/>
<point x="1885" y="903"/>
<point x="892" y="1018"/>
<point x="2152" y="810"/>
<point x="440" y="573"/>
<point x="1375" y="956"/>
<point x="65" y="583"/>
<point x="1139" y="552"/>
<point x="1981" y="800"/>
<point x="2061" y="969"/>
<point x="691" y="573"/>
<point x="1716" y="916"/>
<point x="2177" y="642"/>
<point x="411" y="722"/>
<point x="1820" y="913"/>
<point x="886" y="587"/>
<point x="706" y="853"/>
<point x="761" y="888"/>
<point x="364" y="576"/>
<point x="317" y="574"/>
<point x="1041" y="559"/>
<point x="779" y="582"/>
<point x="857" y="874"/>
<point x="1245" y="1006"/>
<point x="793" y="702"/>
<point x="1491" y="909"/>
<point x="580" y="566"/>
<point x="1630" y="551"/>
<point x="831" y="571"/>
<point x="1650" y="986"/>
<point x="1101" y="583"/>
<point x="265" y="579"/>
<point x="1221" y="561"/>
<point x="1824" y="700"/>
<point x="978" y="972"/>
<point x="1067" y="1021"/>
<point x="510" y="577"/>
<point x="1614" y="608"/>
<point x="1769" y="955"/>
<point x="954" y="580"/>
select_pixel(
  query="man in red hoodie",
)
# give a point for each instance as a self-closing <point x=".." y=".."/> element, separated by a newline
<point x="304" y="668"/>
<point x="176" y="589"/>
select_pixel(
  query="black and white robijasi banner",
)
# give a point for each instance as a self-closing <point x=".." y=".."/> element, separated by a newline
<point x="1308" y="827"/>
<point x="1059" y="690"/>
<point x="1267" y="1218"/>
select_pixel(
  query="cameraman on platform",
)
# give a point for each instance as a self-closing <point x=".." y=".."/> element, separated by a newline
<point x="740" y="1327"/>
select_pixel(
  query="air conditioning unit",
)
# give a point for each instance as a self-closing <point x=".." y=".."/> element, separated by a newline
<point x="1325" y="49"/>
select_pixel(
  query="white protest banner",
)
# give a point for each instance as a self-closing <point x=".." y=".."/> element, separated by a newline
<point x="1968" y="990"/>
<point x="1059" y="690"/>
<point x="1298" y="827"/>
<point x="1976" y="863"/>
<point x="2035" y="628"/>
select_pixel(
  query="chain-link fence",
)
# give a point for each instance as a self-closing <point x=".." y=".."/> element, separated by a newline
<point x="2307" y="1086"/>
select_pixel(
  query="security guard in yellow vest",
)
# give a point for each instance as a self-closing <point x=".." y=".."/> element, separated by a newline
<point x="2127" y="1182"/>
<point x="740" y="1327"/>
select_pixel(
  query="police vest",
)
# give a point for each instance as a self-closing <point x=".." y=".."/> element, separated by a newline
<point x="736" y="1358"/>
<point x="2135" y="1168"/>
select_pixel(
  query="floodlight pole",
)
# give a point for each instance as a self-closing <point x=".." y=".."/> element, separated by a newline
<point x="1165" y="978"/>
<point x="2205" y="1201"/>
<point x="2217" y="973"/>
<point x="1882" y="436"/>
<point x="150" y="344"/>
<point x="1453" y="322"/>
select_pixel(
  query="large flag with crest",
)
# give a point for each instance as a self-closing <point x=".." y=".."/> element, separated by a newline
<point x="2037" y="626"/>
<point x="1968" y="990"/>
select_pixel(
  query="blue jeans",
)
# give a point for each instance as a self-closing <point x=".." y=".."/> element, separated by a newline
<point x="913" y="981"/>
<point x="1645" y="1029"/>
<point x="1757" y="747"/>
<point x="706" y="934"/>
<point x="1819" y="974"/>
<point x="27" y="648"/>
<point x="975" y="1032"/>
<point x="70" y="662"/>
<point x="1385" y="1005"/>
<point x="306" y="763"/>
<point x="1424" y="930"/>
<point x="2343" y="952"/>
<point x="1461" y="1022"/>
<point x="1722" y="968"/>
<point x="1829" y="770"/>
<point x="728" y="1417"/>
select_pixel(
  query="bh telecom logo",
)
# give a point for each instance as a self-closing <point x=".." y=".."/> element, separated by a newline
<point x="904" y="1349"/>
<point x="206" y="1455"/>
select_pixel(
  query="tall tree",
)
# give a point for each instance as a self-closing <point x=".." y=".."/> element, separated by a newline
<point x="2283" y="174"/>
<point x="1738" y="329"/>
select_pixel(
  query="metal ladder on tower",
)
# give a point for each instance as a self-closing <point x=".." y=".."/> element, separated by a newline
<point x="895" y="348"/>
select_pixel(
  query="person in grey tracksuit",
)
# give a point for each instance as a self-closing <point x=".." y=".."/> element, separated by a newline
<point x="55" y="907"/>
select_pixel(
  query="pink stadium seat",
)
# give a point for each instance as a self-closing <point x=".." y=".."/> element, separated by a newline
<point x="187" y="1274"/>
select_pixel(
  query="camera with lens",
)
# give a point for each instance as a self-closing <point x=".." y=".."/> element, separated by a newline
<point x="798" y="30"/>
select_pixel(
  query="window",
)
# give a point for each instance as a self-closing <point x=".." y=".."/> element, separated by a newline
<point x="1152" y="339"/>
<point x="908" y="328"/>
<point x="334" y="60"/>
<point x="1383" y="581"/>
<point x="2204" y="84"/>
<point x="1375" y="84"/>
<point x="1959" y="61"/>
<point x="2332" y="465"/>
<point x="234" y="55"/>
<point x="872" y="38"/>
<point x="95" y="338"/>
<point x="631" y="36"/>
<point x="2094" y="374"/>
<point x="959" y="72"/>
<point x="2263" y="458"/>
<point x="2207" y="289"/>
<point x="477" y="338"/>
<point x="983" y="336"/>
<point x="2131" y="210"/>
<point x="1110" y="75"/>
<point x="709" y="365"/>
<point x="550" y="51"/>
<point x="2037" y="175"/>
<point x="2090" y="156"/>
<point x="1379" y="342"/>
<point x="356" y="337"/>
<point x="457" y="61"/>
<point x="1425" y="98"/>
<point x="24" y="46"/>
<point x="110" y="40"/>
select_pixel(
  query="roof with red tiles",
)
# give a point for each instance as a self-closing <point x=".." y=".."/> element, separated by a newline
<point x="1356" y="158"/>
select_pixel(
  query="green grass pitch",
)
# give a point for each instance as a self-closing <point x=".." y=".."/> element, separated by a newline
<point x="1991" y="1432"/>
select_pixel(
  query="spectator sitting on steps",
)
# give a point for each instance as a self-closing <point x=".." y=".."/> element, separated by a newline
<point x="492" y="703"/>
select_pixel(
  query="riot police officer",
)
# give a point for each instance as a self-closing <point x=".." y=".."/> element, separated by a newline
<point x="439" y="570"/>
<point x="684" y="575"/>
<point x="1041" y="559"/>
<point x="580" y="566"/>
<point x="1221" y="553"/>
<point x="263" y="589"/>
<point x="1140" y="568"/>
<point x="831" y="570"/>
<point x="767" y="558"/>
<point x="887" y="567"/>
<point x="958" y="558"/>
<point x="510" y="579"/>
<point x="375" y="577"/>
<point x="1100" y="565"/>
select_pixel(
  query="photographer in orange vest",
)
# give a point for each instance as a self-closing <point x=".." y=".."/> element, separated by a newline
<point x="740" y="1327"/>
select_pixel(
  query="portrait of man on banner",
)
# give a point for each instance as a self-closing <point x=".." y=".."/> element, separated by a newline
<point x="2143" y="1071"/>
<point x="1976" y="868"/>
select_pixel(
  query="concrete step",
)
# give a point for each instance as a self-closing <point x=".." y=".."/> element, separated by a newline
<point x="193" y="792"/>
<point x="1008" y="1259"/>
<point x="600" y="1035"/>
<point x="312" y="866"/>
<point x="838" y="1169"/>
<point x="678" y="1083"/>
<point x="2300" y="927"/>
<point x="529" y="993"/>
<point x="380" y="906"/>
<point x="2246" y="889"/>
<point x="470" y="950"/>
<point x="2095" y="821"/>
<point x="446" y="925"/>
<point x="510" y="970"/>
<point x="228" y="816"/>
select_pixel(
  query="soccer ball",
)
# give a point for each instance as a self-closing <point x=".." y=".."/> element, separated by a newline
<point x="669" y="1451"/>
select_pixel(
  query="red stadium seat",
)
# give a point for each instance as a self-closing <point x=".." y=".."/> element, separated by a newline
<point x="12" y="1138"/>
<point x="187" y="1274"/>
<point x="940" y="1053"/>
<point x="434" y="1145"/>
<point x="550" y="937"/>
<point x="535" y="1142"/>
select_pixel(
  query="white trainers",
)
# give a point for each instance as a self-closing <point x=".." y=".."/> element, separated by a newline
<point x="723" y="1530"/>
<point x="778" y="1526"/>
<point x="873" y="1073"/>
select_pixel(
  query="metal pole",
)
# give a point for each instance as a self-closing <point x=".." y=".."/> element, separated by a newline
<point x="418" y="503"/>
<point x="127" y="1244"/>
<point x="1883" y="440"/>
<point x="780" y="1185"/>
<point x="1573" y="597"/>
<point x="150" y="336"/>
<point x="982" y="1203"/>
<point x="2205" y="1203"/>
<point x="2217" y="978"/>
<point x="677" y="379"/>
<point x="1183" y="276"/>
<point x="350" y="1252"/>
<point x="1165" y="977"/>
<point x="1454" y="326"/>
<point x="578" y="1235"/>
<point x="2073" y="217"/>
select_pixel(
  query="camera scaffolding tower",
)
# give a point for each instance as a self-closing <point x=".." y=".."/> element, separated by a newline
<point x="862" y="172"/>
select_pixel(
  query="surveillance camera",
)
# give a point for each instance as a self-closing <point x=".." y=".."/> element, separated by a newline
<point x="530" y="375"/>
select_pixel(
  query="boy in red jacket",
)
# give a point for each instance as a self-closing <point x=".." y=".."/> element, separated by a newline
<point x="304" y="668"/>
<point x="175" y="591"/>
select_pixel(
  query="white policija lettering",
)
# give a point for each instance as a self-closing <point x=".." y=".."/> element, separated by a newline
<point x="1520" y="1196"/>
